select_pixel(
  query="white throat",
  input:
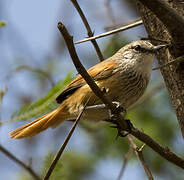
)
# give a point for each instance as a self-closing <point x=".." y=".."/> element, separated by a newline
<point x="143" y="64"/>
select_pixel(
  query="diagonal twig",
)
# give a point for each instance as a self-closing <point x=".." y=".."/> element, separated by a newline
<point x="163" y="151"/>
<point x="179" y="59"/>
<point x="88" y="28"/>
<point x="58" y="155"/>
<point x="138" y="152"/>
<point x="115" y="26"/>
<point x="128" y="26"/>
<point x="19" y="162"/>
<point x="125" y="162"/>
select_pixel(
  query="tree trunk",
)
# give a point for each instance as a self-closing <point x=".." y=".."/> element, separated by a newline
<point x="174" y="74"/>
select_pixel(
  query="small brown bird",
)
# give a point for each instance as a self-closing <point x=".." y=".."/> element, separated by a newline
<point x="124" y="76"/>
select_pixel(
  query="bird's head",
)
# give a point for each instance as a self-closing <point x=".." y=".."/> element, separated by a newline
<point x="139" y="54"/>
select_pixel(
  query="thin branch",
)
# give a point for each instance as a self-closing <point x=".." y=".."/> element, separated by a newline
<point x="88" y="28"/>
<point x="138" y="152"/>
<point x="115" y="26"/>
<point x="125" y="161"/>
<point x="19" y="162"/>
<point x="128" y="26"/>
<point x="164" y="152"/>
<point x="179" y="59"/>
<point x="58" y="155"/>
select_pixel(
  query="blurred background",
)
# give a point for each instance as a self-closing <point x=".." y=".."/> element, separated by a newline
<point x="34" y="61"/>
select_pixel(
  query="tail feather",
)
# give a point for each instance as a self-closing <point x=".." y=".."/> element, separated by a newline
<point x="39" y="125"/>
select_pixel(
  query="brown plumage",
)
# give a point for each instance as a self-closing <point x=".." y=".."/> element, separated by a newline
<point x="125" y="77"/>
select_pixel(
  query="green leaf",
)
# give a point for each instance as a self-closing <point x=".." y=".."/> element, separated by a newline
<point x="2" y="93"/>
<point x="2" y="23"/>
<point x="42" y="105"/>
<point x="72" y="165"/>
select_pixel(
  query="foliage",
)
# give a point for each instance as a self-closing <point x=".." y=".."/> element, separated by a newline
<point x="2" y="23"/>
<point x="73" y="166"/>
<point x="114" y="44"/>
<point x="42" y="105"/>
<point x="58" y="172"/>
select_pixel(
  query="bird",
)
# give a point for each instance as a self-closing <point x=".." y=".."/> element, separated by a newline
<point x="124" y="76"/>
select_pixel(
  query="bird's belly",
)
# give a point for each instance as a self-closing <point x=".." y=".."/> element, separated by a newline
<point x="95" y="114"/>
<point x="124" y="91"/>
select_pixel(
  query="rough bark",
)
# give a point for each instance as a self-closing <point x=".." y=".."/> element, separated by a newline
<point x="174" y="74"/>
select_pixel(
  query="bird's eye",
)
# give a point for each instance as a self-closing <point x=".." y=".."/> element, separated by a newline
<point x="138" y="48"/>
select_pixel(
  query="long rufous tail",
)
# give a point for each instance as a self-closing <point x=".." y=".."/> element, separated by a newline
<point x="51" y="119"/>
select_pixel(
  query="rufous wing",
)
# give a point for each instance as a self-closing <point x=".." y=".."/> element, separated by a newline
<point x="98" y="72"/>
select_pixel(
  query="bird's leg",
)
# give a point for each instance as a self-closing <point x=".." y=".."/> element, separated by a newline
<point x="129" y="127"/>
<point x="98" y="106"/>
<point x="120" y="133"/>
<point x="119" y="108"/>
<point x="113" y="119"/>
<point x="113" y="115"/>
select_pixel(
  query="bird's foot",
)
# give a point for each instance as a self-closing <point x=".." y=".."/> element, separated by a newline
<point x="113" y="116"/>
<point x="119" y="108"/>
<point x="120" y="132"/>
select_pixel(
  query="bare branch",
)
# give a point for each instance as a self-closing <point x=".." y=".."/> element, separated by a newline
<point x="19" y="162"/>
<point x="125" y="161"/>
<point x="59" y="153"/>
<point x="164" y="152"/>
<point x="177" y="60"/>
<point x="128" y="26"/>
<point x="138" y="152"/>
<point x="114" y="26"/>
<point x="89" y="31"/>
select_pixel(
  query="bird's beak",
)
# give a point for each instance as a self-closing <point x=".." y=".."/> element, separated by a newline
<point x="156" y="48"/>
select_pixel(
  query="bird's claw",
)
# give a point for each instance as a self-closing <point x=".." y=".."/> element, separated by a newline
<point x="119" y="108"/>
<point x="120" y="133"/>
